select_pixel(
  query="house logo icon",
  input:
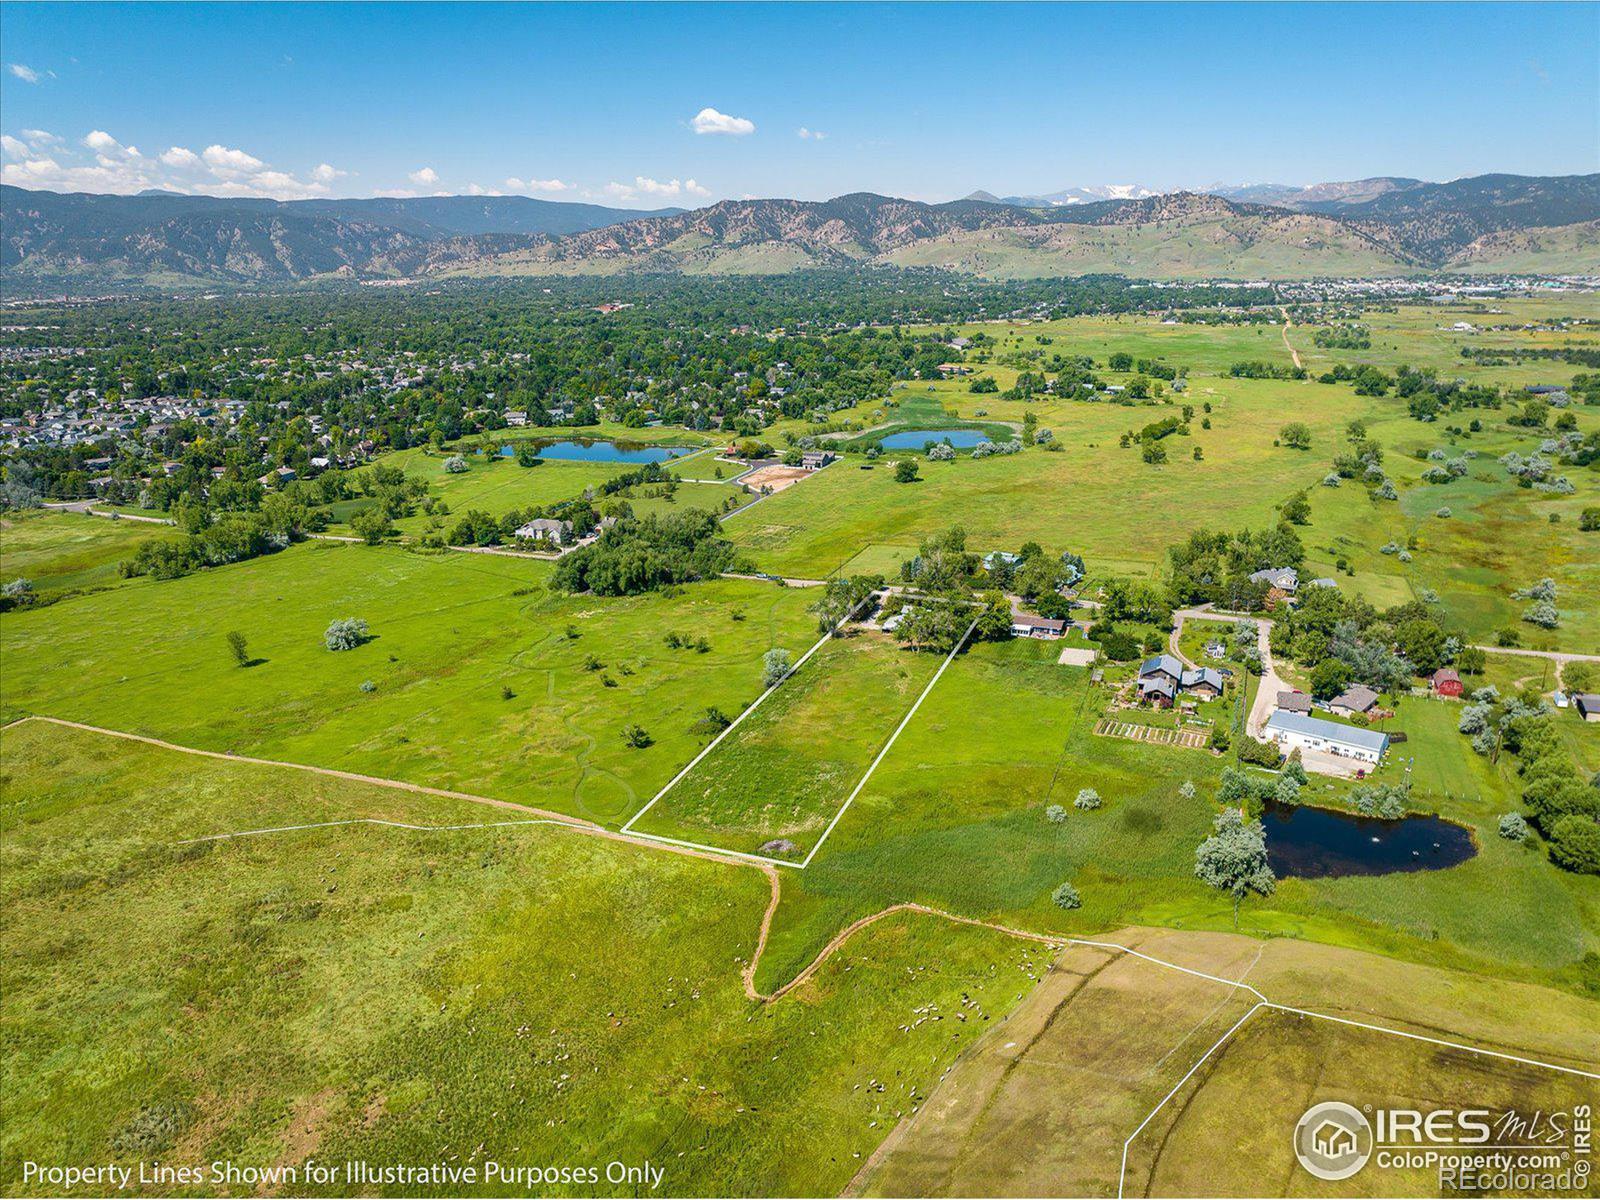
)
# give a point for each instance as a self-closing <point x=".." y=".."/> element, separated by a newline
<point x="1333" y="1140"/>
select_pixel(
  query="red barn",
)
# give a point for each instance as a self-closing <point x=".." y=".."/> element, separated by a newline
<point x="1445" y="682"/>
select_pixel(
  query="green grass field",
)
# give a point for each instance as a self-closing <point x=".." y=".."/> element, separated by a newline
<point x="373" y="993"/>
<point x="70" y="552"/>
<point x="496" y="485"/>
<point x="453" y="635"/>
<point x="785" y="771"/>
<point x="535" y="995"/>
<point x="955" y="817"/>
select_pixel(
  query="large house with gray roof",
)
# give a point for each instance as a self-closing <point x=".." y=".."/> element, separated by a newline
<point x="1164" y="676"/>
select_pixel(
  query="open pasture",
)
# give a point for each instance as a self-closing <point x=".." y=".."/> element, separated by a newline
<point x="496" y="484"/>
<point x="394" y="995"/>
<point x="773" y="784"/>
<point x="481" y="680"/>
<point x="1092" y="496"/>
<point x="70" y="552"/>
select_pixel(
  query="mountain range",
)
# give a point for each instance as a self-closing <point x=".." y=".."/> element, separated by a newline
<point x="1382" y="227"/>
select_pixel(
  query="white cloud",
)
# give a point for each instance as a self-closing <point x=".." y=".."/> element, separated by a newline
<point x="537" y="185"/>
<point x="425" y="175"/>
<point x="108" y="148"/>
<point x="180" y="157"/>
<point x="709" y="120"/>
<point x="106" y="165"/>
<point x="227" y="162"/>
<point x="24" y="72"/>
<point x="643" y="187"/>
<point x="810" y="135"/>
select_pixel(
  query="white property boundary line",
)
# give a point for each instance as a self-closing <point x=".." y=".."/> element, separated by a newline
<point x="849" y="800"/>
<point x="734" y="724"/>
<point x="906" y="720"/>
<point x="1263" y="1002"/>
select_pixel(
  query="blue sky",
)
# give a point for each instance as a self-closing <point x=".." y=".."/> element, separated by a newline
<point x="600" y="102"/>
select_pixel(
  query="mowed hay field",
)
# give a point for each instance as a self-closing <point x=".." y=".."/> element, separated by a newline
<point x="788" y="767"/>
<point x="1044" y="1104"/>
<point x="522" y="994"/>
<point x="482" y="680"/>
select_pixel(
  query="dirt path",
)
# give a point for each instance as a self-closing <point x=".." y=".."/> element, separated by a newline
<point x="1560" y="657"/>
<point x="88" y="509"/>
<point x="1287" y="345"/>
<point x="578" y="825"/>
<point x="353" y="776"/>
<point x="783" y="579"/>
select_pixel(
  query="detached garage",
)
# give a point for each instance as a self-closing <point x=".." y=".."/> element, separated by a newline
<point x="1297" y="731"/>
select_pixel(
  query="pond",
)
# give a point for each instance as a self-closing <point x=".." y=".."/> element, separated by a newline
<point x="916" y="439"/>
<point x="1322" y="843"/>
<point x="591" y="451"/>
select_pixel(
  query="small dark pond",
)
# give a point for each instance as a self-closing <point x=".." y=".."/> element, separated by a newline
<point x="590" y="451"/>
<point x="1321" y="843"/>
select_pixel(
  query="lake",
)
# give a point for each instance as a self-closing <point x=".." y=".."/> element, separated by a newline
<point x="590" y="451"/>
<point x="916" y="439"/>
<point x="1321" y="843"/>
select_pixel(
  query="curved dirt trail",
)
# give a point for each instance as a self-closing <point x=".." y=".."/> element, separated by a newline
<point x="578" y="825"/>
<point x="1287" y="325"/>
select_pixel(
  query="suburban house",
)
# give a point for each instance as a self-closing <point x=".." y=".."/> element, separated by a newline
<point x="1162" y="666"/>
<point x="1295" y="702"/>
<point x="1206" y="682"/>
<point x="1355" y="700"/>
<point x="1588" y="705"/>
<point x="549" y="530"/>
<point x="1281" y="579"/>
<point x="814" y="460"/>
<point x="1160" y="690"/>
<point x="1164" y="676"/>
<point x="1445" y="682"/>
<point x="1297" y="731"/>
<point x="998" y="557"/>
<point x="1028" y="625"/>
<point x="516" y="417"/>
